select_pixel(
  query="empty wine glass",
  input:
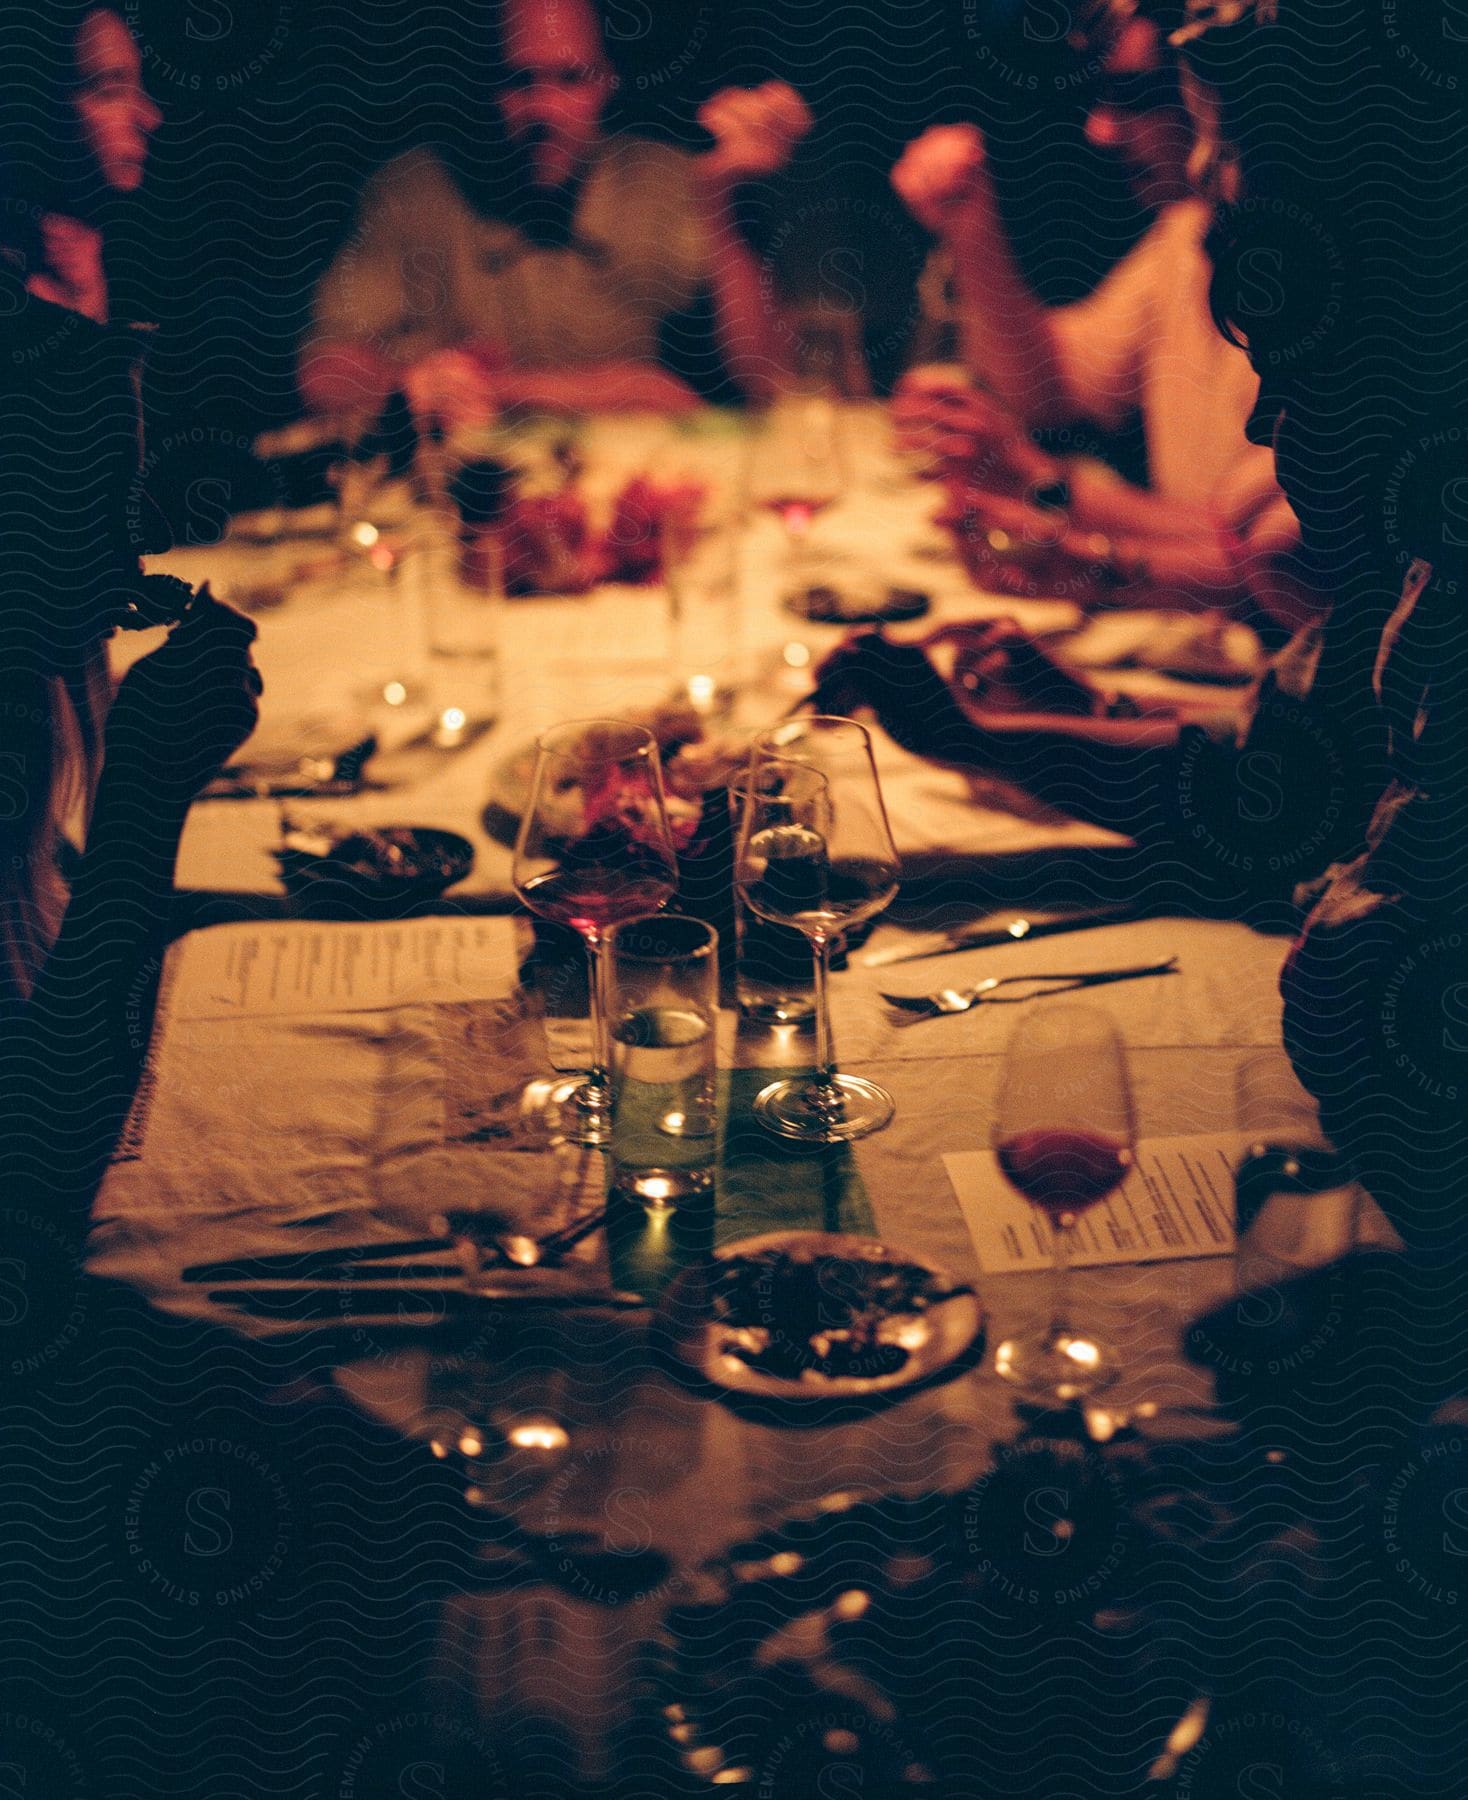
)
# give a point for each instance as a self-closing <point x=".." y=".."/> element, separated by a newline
<point x="594" y="850"/>
<point x="815" y="852"/>
<point x="1064" y="1134"/>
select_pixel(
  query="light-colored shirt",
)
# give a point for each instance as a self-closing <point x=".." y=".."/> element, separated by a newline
<point x="424" y="271"/>
<point x="1145" y="342"/>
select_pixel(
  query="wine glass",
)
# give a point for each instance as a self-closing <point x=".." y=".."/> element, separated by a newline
<point x="1064" y="1135"/>
<point x="797" y="470"/>
<point x="594" y="850"/>
<point x="815" y="852"/>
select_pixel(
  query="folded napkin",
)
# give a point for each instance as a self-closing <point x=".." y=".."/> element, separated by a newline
<point x="939" y="815"/>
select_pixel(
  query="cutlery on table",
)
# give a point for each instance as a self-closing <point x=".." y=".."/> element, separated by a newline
<point x="399" y="1255"/>
<point x="313" y="778"/>
<point x="414" y="1302"/>
<point x="1017" y="931"/>
<point x="959" y="1000"/>
<point x="523" y="1252"/>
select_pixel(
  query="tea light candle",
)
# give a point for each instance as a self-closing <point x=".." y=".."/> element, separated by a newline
<point x="449" y="732"/>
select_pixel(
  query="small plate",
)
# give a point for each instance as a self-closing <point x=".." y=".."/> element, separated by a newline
<point x="825" y="604"/>
<point x="717" y="1332"/>
<point x="376" y="870"/>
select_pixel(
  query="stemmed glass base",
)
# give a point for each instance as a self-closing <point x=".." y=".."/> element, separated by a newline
<point x="576" y="1110"/>
<point x="1055" y="1364"/>
<point x="823" y="1112"/>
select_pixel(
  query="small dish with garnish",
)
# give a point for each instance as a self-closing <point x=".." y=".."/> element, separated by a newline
<point x="796" y="1315"/>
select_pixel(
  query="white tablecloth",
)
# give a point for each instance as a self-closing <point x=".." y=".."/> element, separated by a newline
<point x="326" y="651"/>
<point x="255" y="1127"/>
<point x="250" y="1129"/>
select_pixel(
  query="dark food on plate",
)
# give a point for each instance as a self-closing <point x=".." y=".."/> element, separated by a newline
<point x="825" y="604"/>
<point x="388" y="865"/>
<point x="398" y="852"/>
<point x="822" y="1316"/>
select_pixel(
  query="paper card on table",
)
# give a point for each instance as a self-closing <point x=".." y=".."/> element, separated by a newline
<point x="279" y="970"/>
<point x="1177" y="1202"/>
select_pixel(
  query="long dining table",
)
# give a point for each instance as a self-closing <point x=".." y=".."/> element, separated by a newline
<point x="342" y="1100"/>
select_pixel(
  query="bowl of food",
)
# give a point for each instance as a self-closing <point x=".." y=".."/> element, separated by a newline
<point x="814" y="1315"/>
<point x="381" y="871"/>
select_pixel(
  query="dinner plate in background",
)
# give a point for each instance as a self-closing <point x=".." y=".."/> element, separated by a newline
<point x="750" y="1339"/>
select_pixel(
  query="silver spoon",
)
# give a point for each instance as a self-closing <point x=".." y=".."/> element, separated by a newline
<point x="516" y="1248"/>
<point x="959" y="1000"/>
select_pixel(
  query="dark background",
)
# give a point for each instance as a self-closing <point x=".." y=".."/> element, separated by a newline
<point x="277" y="110"/>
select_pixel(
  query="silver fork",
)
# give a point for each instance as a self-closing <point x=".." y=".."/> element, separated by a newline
<point x="959" y="1000"/>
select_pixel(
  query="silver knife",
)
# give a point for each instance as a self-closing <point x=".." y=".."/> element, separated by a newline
<point x="1017" y="930"/>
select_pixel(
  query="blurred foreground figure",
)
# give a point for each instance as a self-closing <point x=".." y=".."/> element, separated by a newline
<point x="542" y="276"/>
<point x="1213" y="528"/>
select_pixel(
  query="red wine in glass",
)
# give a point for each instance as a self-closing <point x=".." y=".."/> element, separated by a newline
<point x="594" y="849"/>
<point x="594" y="897"/>
<point x="797" y="512"/>
<point x="1064" y="1171"/>
<point x="1062" y="1130"/>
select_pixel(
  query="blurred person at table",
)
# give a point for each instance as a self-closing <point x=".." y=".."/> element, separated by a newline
<point x="75" y="125"/>
<point x="82" y="767"/>
<point x="1213" y="527"/>
<point x="542" y="275"/>
<point x="1338" y="795"/>
<point x="97" y="784"/>
<point x="121" y="1646"/>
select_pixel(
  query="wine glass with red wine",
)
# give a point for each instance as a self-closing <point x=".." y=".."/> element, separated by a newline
<point x="594" y="850"/>
<point x="1064" y="1135"/>
<point x="797" y="470"/>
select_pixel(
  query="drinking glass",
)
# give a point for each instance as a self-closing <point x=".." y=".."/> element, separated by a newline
<point x="1064" y="1134"/>
<point x="463" y="635"/>
<point x="665" y="1015"/>
<point x="773" y="980"/>
<point x="701" y="578"/>
<point x="815" y="851"/>
<point x="797" y="469"/>
<point x="594" y="849"/>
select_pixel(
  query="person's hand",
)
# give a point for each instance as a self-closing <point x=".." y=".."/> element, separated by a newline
<point x="966" y="433"/>
<point x="999" y="667"/>
<point x="941" y="175"/>
<point x="451" y="388"/>
<point x="755" y="131"/>
<point x="897" y="682"/>
<point x="184" y="710"/>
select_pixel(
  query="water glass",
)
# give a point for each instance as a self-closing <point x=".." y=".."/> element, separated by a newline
<point x="462" y="627"/>
<point x="775" y="978"/>
<point x="664" y="981"/>
<point x="702" y="583"/>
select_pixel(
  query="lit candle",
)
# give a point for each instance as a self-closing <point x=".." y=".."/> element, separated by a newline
<point x="449" y="733"/>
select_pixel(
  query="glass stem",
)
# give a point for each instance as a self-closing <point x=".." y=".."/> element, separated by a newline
<point x="825" y="1060"/>
<point x="797" y="553"/>
<point x="601" y="1050"/>
<point x="1060" y="1280"/>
